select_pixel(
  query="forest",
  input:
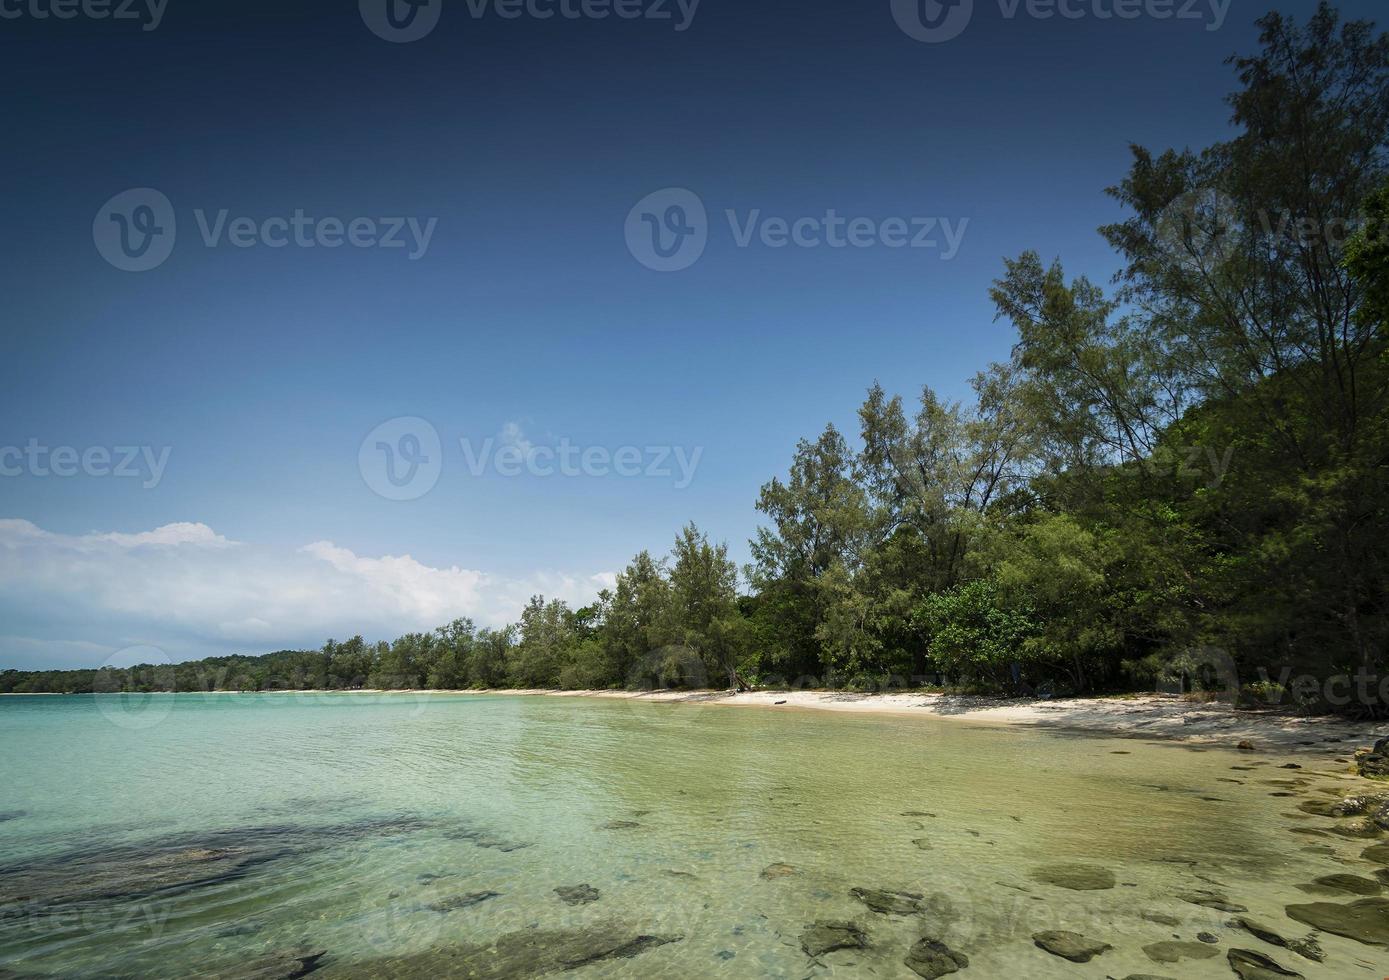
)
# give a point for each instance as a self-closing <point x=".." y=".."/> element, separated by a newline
<point x="1177" y="477"/>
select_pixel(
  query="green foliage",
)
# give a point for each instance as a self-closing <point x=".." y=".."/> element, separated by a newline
<point x="976" y="634"/>
<point x="1367" y="261"/>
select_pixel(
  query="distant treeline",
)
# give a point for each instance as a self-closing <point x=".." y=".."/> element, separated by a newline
<point x="1183" y="477"/>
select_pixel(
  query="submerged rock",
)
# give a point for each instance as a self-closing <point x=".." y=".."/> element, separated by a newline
<point x="827" y="936"/>
<point x="773" y="871"/>
<point x="931" y="958"/>
<point x="526" y="953"/>
<point x="1211" y="900"/>
<point x="275" y="966"/>
<point x="124" y="875"/>
<point x="1250" y="965"/>
<point x="623" y="950"/>
<point x="1349" y="884"/>
<point x="490" y="841"/>
<point x="1378" y="853"/>
<point x="1365" y="921"/>
<point x="619" y="825"/>
<point x="922" y="844"/>
<point x="1307" y="948"/>
<point x="890" y="902"/>
<point x="456" y="902"/>
<point x="1069" y="945"/>
<point x="1374" y="764"/>
<point x="1175" y="950"/>
<point x="1362" y="805"/>
<point x="577" y="894"/>
<point x="1077" y="877"/>
<point x="177" y="862"/>
<point x="1162" y="918"/>
<point x="1360" y="828"/>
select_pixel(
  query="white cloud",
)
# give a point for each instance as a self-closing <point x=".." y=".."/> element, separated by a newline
<point x="191" y="591"/>
<point x="170" y="535"/>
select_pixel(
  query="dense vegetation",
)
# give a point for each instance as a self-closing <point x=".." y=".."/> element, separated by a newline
<point x="1184" y="475"/>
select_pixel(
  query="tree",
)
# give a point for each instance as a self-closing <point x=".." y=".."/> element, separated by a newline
<point x="637" y="619"/>
<point x="546" y="646"/>
<point x="820" y="518"/>
<point x="489" y="656"/>
<point x="1237" y="259"/>
<point x="704" y="590"/>
<point x="975" y="635"/>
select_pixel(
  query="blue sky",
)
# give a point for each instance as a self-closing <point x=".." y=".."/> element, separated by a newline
<point x="524" y="144"/>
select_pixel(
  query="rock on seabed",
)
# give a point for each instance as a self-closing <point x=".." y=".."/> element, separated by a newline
<point x="890" y="902"/>
<point x="1077" y="877"/>
<point x="826" y="936"/>
<point x="1069" y="945"/>
<point x="577" y="894"/>
<point x="1174" y="951"/>
<point x="931" y="958"/>
<point x="1249" y="965"/>
<point x="1365" y="921"/>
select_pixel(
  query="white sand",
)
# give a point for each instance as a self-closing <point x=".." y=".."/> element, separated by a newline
<point x="1152" y="715"/>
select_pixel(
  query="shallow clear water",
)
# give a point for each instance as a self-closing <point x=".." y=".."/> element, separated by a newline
<point x="356" y="824"/>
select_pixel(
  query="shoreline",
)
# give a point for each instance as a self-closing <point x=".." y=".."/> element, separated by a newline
<point x="1156" y="716"/>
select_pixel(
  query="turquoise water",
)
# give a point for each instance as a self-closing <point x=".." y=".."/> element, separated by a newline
<point x="212" y="834"/>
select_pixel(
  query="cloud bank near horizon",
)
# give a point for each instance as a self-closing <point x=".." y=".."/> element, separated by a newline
<point x="76" y="600"/>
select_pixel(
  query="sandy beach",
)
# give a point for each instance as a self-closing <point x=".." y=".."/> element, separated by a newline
<point x="1151" y="715"/>
<point x="1155" y="716"/>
